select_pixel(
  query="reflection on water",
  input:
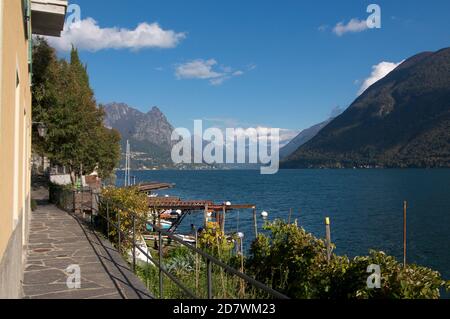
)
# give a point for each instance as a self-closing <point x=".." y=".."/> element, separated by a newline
<point x="365" y="206"/>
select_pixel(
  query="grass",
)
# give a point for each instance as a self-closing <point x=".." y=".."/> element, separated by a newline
<point x="181" y="263"/>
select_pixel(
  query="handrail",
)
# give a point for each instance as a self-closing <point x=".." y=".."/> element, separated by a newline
<point x="209" y="258"/>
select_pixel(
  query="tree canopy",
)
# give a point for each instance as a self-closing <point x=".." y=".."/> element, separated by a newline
<point x="64" y="101"/>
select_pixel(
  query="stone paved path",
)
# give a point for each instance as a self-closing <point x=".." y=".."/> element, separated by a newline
<point x="57" y="240"/>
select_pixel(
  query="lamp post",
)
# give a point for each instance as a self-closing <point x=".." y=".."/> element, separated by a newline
<point x="42" y="132"/>
<point x="224" y="210"/>
<point x="41" y="128"/>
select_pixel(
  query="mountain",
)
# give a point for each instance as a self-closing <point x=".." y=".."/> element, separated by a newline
<point x="403" y="120"/>
<point x="148" y="133"/>
<point x="302" y="138"/>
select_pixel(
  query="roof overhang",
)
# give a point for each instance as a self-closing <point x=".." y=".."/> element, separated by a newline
<point x="48" y="16"/>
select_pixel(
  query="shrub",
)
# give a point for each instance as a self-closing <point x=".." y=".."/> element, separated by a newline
<point x="61" y="196"/>
<point x="181" y="261"/>
<point x="33" y="204"/>
<point x="295" y="263"/>
<point x="126" y="202"/>
<point x="410" y="282"/>
<point x="213" y="240"/>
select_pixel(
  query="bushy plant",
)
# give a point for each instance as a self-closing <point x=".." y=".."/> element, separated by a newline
<point x="33" y="204"/>
<point x="213" y="240"/>
<point x="397" y="281"/>
<point x="126" y="202"/>
<point x="61" y="196"/>
<point x="180" y="261"/>
<point x="64" y="101"/>
<point x="295" y="262"/>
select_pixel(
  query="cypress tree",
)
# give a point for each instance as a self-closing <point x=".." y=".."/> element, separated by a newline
<point x="76" y="137"/>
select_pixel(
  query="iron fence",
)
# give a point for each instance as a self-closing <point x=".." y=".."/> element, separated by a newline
<point x="98" y="201"/>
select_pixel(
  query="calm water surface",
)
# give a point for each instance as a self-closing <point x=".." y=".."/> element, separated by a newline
<point x="365" y="206"/>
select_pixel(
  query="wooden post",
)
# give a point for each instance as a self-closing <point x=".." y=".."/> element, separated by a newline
<point x="119" y="235"/>
<point x="160" y="262"/>
<point x="290" y="214"/>
<point x="134" y="243"/>
<point x="107" y="218"/>
<point x="205" y="216"/>
<point x="328" y="238"/>
<point x="405" y="206"/>
<point x="224" y="208"/>
<point x="209" y="278"/>
<point x="159" y="221"/>
<point x="155" y="242"/>
<point x="242" y="284"/>
<point x="255" y="222"/>
<point x="196" y="263"/>
<point x="92" y="205"/>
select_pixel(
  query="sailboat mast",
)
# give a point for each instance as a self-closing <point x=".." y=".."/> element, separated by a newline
<point x="127" y="165"/>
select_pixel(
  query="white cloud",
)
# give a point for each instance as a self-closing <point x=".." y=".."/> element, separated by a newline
<point x="379" y="71"/>
<point x="222" y="123"/>
<point x="88" y="35"/>
<point x="354" y="25"/>
<point x="263" y="132"/>
<point x="286" y="135"/>
<point x="197" y="69"/>
<point x="206" y="70"/>
<point x="218" y="81"/>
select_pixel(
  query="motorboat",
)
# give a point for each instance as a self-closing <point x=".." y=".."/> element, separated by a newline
<point x="163" y="224"/>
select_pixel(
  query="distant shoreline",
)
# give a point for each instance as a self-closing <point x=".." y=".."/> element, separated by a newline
<point x="290" y="169"/>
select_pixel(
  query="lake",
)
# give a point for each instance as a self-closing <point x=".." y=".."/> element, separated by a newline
<point x="365" y="206"/>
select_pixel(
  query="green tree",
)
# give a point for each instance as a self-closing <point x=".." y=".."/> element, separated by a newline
<point x="44" y="89"/>
<point x="65" y="102"/>
<point x="107" y="152"/>
<point x="131" y="205"/>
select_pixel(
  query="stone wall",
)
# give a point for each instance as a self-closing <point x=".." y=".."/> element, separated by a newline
<point x="11" y="266"/>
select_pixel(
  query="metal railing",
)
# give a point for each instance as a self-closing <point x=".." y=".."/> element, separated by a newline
<point x="97" y="200"/>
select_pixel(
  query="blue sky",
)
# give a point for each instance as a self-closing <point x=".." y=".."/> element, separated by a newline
<point x="249" y="63"/>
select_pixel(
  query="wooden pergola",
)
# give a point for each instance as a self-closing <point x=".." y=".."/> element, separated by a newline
<point x="206" y="206"/>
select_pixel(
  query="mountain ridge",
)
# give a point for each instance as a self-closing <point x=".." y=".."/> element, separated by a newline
<point x="302" y="138"/>
<point x="403" y="120"/>
<point x="149" y="133"/>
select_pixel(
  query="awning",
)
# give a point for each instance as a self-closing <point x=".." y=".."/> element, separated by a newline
<point x="48" y="16"/>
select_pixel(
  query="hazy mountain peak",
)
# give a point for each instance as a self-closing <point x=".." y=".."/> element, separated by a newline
<point x="148" y="133"/>
<point x="155" y="110"/>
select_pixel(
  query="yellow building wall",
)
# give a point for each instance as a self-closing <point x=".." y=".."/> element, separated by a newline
<point x="15" y="124"/>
